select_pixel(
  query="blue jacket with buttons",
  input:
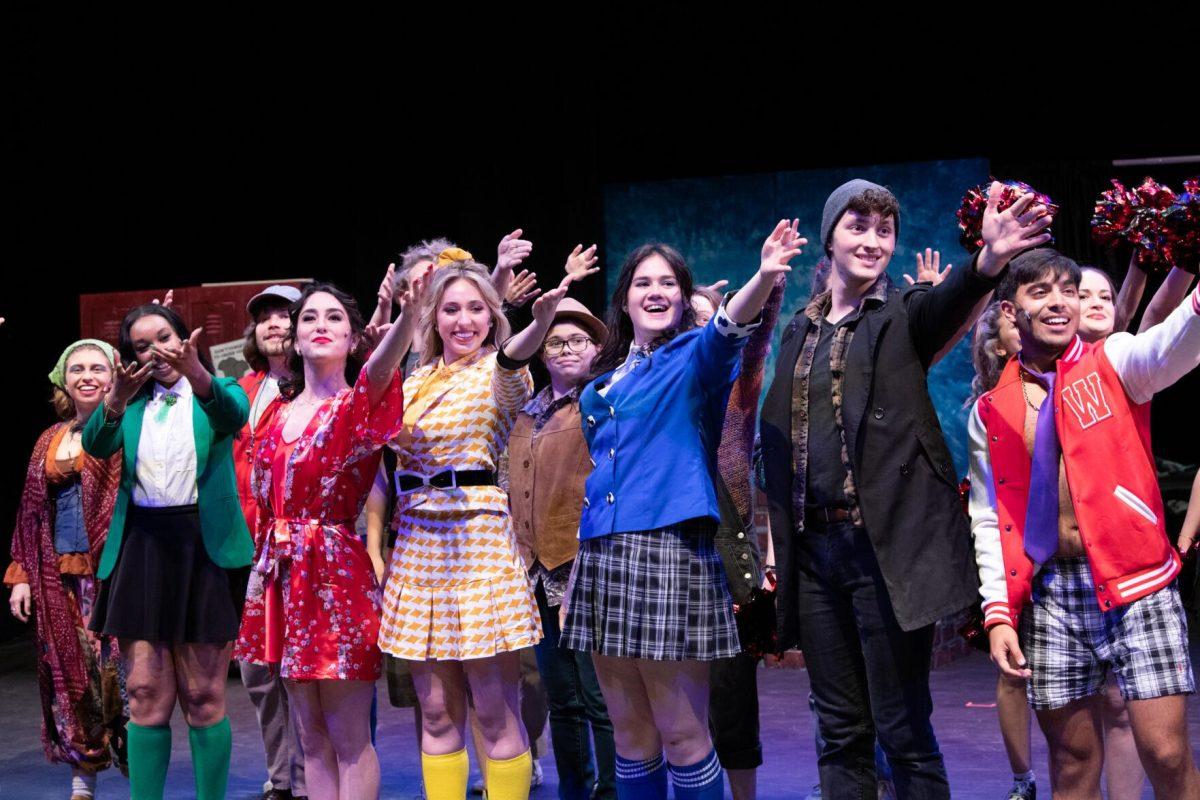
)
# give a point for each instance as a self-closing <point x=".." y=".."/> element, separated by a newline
<point x="653" y="438"/>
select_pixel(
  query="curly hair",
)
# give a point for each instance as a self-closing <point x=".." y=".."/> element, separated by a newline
<point x="985" y="355"/>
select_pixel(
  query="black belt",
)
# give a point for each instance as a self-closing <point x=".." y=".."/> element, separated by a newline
<point x="447" y="479"/>
<point x="824" y="515"/>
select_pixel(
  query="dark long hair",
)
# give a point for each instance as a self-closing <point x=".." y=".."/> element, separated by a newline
<point x="173" y="318"/>
<point x="290" y="387"/>
<point x="620" y="326"/>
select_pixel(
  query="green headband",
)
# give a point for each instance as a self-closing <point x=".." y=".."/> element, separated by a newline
<point x="58" y="375"/>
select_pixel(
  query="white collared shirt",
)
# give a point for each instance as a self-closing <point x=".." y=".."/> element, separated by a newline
<point x="267" y="392"/>
<point x="166" y="454"/>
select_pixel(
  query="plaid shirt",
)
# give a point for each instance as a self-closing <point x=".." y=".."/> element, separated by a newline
<point x="816" y="310"/>
<point x="543" y="405"/>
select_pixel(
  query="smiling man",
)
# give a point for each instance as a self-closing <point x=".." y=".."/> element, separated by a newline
<point x="870" y="540"/>
<point x="1068" y="525"/>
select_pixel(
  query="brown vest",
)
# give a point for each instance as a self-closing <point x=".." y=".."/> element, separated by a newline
<point x="546" y="474"/>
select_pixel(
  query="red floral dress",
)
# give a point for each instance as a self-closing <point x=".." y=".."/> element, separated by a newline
<point x="313" y="602"/>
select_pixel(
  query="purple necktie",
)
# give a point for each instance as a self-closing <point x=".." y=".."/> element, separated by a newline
<point x="1041" y="514"/>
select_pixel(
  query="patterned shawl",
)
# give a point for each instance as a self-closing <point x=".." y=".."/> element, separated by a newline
<point x="33" y="549"/>
<point x="741" y="415"/>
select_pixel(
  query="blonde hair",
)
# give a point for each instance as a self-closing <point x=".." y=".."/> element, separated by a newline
<point x="477" y="274"/>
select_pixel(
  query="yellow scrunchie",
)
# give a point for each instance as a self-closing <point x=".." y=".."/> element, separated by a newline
<point x="450" y="256"/>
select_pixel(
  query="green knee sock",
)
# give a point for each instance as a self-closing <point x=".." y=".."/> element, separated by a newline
<point x="210" y="759"/>
<point x="149" y="755"/>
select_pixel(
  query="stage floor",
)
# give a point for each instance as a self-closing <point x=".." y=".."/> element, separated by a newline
<point x="964" y="718"/>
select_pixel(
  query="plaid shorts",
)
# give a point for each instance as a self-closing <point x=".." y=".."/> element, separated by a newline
<point x="1070" y="643"/>
<point x="657" y="594"/>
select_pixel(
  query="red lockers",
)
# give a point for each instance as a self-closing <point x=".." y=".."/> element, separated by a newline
<point x="219" y="308"/>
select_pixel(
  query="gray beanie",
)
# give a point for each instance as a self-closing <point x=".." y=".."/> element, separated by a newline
<point x="835" y="206"/>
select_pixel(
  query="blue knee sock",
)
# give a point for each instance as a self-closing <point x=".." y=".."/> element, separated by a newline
<point x="700" y="781"/>
<point x="642" y="780"/>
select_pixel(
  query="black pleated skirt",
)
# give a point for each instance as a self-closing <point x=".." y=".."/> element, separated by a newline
<point x="164" y="587"/>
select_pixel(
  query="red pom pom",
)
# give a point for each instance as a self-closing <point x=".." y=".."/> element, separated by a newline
<point x="1181" y="225"/>
<point x="974" y="203"/>
<point x="1139" y="217"/>
<point x="1112" y="214"/>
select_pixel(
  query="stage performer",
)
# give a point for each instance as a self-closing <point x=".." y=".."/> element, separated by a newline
<point x="316" y="613"/>
<point x="457" y="604"/>
<point x="548" y="464"/>
<point x="173" y="567"/>
<point x="995" y="341"/>
<point x="733" y="693"/>
<point x="1087" y="576"/>
<point x="649" y="597"/>
<point x="870" y="539"/>
<point x="62" y="523"/>
<point x="267" y="354"/>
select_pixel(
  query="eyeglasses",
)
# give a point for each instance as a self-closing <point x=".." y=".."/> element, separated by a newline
<point x="576" y="344"/>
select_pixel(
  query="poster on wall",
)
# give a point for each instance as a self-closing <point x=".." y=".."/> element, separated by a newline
<point x="228" y="360"/>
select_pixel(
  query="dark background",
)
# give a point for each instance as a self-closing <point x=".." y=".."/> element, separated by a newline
<point x="174" y="151"/>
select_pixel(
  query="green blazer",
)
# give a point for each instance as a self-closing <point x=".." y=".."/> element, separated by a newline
<point x="215" y="422"/>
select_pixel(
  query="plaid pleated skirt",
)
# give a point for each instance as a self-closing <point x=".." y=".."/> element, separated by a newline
<point x="658" y="594"/>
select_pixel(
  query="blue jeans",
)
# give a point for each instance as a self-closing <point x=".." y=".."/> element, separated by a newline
<point x="869" y="677"/>
<point x="573" y="694"/>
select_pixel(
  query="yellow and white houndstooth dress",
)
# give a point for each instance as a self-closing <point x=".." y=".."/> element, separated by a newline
<point x="457" y="588"/>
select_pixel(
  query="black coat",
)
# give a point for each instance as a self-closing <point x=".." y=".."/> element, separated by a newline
<point x="907" y="489"/>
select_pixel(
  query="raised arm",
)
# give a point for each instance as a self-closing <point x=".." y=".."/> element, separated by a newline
<point x="1130" y="295"/>
<point x="511" y="251"/>
<point x="929" y="271"/>
<point x="1151" y="361"/>
<point x="936" y="315"/>
<point x="1168" y="297"/>
<point x="784" y="244"/>
<point x="524" y="345"/>
<point x="383" y="298"/>
<point x="385" y="360"/>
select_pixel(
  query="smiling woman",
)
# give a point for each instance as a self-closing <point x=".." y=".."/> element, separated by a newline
<point x="173" y="566"/>
<point x="313" y="467"/>
<point x="648" y="599"/>
<point x="458" y="603"/>
<point x="61" y="526"/>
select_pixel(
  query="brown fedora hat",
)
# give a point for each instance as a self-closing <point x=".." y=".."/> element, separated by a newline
<point x="570" y="310"/>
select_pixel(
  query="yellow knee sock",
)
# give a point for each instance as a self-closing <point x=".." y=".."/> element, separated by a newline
<point x="509" y="779"/>
<point x="445" y="776"/>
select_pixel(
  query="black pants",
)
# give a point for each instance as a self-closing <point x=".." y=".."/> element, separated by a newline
<point x="869" y="678"/>
<point x="733" y="712"/>
<point x="573" y="694"/>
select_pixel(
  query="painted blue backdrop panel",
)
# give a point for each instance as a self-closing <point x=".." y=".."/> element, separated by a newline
<point x="719" y="224"/>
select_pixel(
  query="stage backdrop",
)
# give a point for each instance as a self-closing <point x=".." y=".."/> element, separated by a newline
<point x="719" y="225"/>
